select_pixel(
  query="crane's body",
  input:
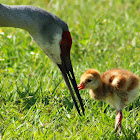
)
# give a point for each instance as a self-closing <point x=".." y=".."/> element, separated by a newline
<point x="50" y="33"/>
<point x="118" y="87"/>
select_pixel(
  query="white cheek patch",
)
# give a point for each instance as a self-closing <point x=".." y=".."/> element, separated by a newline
<point x="51" y="50"/>
<point x="55" y="49"/>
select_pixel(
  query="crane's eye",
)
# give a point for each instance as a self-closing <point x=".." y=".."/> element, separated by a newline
<point x="88" y="80"/>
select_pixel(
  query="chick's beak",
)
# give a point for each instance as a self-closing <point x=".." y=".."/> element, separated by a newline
<point x="81" y="86"/>
<point x="68" y="75"/>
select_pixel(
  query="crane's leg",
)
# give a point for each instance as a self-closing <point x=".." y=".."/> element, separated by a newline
<point x="118" y="121"/>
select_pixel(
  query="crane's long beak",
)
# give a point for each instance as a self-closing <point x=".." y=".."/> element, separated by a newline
<point x="68" y="75"/>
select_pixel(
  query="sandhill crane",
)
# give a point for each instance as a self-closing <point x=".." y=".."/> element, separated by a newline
<point x="118" y="87"/>
<point x="50" y="33"/>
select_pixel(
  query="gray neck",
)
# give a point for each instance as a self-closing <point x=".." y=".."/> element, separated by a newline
<point x="18" y="17"/>
<point x="29" y="18"/>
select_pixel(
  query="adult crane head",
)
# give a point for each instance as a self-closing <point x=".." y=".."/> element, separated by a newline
<point x="50" y="33"/>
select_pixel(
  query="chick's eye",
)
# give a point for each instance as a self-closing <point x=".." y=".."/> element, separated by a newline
<point x="88" y="80"/>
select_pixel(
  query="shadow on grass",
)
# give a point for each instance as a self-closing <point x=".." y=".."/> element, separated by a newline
<point x="28" y="98"/>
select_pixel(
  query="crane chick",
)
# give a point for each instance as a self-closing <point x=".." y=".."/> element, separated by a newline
<point x="118" y="87"/>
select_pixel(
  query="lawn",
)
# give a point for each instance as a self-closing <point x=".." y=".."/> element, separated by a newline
<point x="34" y="100"/>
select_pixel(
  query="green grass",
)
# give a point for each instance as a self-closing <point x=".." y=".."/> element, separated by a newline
<point x="34" y="100"/>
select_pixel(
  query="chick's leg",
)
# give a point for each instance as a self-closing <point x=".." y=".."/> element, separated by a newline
<point x="118" y="121"/>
